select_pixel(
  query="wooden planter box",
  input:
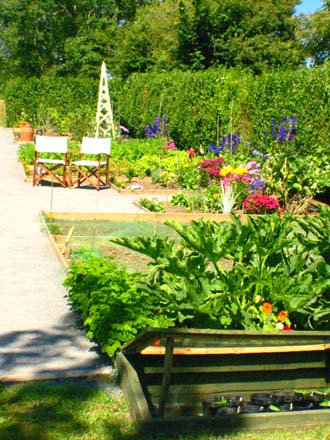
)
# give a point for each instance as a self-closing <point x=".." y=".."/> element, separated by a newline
<point x="165" y="384"/>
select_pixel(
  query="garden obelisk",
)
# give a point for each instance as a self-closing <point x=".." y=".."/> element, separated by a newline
<point x="104" y="117"/>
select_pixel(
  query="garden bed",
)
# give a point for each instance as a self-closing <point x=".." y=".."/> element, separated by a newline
<point x="142" y="186"/>
<point x="94" y="231"/>
<point x="167" y="375"/>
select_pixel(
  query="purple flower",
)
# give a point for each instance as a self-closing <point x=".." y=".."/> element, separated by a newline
<point x="282" y="134"/>
<point x="214" y="149"/>
<point x="159" y="128"/>
<point x="286" y="131"/>
<point x="230" y="142"/>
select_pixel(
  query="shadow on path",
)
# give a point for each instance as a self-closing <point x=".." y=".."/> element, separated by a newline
<point x="61" y="351"/>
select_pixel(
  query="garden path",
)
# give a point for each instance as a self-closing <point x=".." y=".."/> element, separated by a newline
<point x="39" y="335"/>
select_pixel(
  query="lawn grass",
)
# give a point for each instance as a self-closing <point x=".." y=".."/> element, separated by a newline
<point x="93" y="410"/>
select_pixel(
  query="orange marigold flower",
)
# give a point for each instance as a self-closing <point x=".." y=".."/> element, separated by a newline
<point x="282" y="316"/>
<point x="267" y="307"/>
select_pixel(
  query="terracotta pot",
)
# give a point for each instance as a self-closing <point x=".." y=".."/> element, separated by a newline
<point x="26" y="133"/>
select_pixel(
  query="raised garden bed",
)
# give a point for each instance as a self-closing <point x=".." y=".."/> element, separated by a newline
<point x="167" y="375"/>
<point x="142" y="186"/>
<point x="95" y="229"/>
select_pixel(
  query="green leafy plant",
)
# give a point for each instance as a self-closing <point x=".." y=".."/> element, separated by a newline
<point x="217" y="273"/>
<point x="113" y="309"/>
<point x="180" y="199"/>
<point x="25" y="153"/>
<point x="152" y="205"/>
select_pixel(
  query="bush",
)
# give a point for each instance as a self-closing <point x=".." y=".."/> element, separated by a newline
<point x="112" y="307"/>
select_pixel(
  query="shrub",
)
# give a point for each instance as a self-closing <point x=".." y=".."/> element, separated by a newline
<point x="112" y="307"/>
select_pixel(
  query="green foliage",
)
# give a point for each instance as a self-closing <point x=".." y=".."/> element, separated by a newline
<point x="63" y="38"/>
<point x="246" y="33"/>
<point x="180" y="199"/>
<point x="152" y="205"/>
<point x="63" y="105"/>
<point x="113" y="309"/>
<point x="25" y="153"/>
<point x="314" y="32"/>
<point x="199" y="105"/>
<point x="218" y="273"/>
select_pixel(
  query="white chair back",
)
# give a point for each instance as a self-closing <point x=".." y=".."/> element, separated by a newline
<point x="96" y="145"/>
<point x="51" y="144"/>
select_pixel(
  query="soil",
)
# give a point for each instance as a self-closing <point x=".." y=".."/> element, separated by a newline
<point x="145" y="185"/>
<point x="97" y="234"/>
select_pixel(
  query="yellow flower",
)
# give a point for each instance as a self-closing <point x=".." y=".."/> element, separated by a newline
<point x="216" y="196"/>
<point x="185" y="165"/>
<point x="240" y="171"/>
<point x="227" y="169"/>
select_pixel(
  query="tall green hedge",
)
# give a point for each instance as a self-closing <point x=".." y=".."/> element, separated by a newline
<point x="68" y="105"/>
<point x="194" y="102"/>
<point x="200" y="106"/>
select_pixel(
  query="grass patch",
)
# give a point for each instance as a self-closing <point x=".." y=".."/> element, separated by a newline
<point x="93" y="410"/>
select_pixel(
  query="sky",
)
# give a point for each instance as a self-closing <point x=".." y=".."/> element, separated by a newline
<point x="309" y="6"/>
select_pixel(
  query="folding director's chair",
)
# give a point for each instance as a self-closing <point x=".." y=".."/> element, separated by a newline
<point x="45" y="167"/>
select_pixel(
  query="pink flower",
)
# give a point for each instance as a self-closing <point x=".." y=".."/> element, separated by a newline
<point x="260" y="203"/>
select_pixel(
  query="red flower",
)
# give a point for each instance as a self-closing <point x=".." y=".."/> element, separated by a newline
<point x="260" y="203"/>
<point x="287" y="328"/>
<point x="191" y="152"/>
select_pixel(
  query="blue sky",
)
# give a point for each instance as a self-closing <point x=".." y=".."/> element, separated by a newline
<point x="309" y="6"/>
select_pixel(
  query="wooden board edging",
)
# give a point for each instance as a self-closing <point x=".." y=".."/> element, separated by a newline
<point x="193" y="351"/>
<point x="131" y="387"/>
<point x="140" y="216"/>
<point x="53" y="243"/>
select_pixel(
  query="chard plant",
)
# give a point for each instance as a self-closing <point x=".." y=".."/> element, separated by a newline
<point x="228" y="197"/>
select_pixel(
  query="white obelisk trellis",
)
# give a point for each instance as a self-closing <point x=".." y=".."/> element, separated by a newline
<point x="104" y="117"/>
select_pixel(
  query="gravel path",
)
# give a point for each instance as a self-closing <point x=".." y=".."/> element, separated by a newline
<point x="40" y="337"/>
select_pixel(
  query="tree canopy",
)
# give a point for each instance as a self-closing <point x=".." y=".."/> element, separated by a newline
<point x="315" y="35"/>
<point x="72" y="37"/>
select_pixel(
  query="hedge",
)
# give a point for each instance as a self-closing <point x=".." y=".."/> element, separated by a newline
<point x="200" y="106"/>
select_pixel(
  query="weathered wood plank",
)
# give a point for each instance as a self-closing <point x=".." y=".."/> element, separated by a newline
<point x="239" y="387"/>
<point x="131" y="386"/>
<point x="193" y="351"/>
<point x="231" y="368"/>
<point x="225" y="338"/>
<point x="168" y="362"/>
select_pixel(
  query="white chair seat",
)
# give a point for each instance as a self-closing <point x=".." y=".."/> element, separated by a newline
<point x="88" y="163"/>
<point x="54" y="161"/>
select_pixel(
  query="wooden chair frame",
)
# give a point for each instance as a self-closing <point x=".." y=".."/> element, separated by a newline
<point x="45" y="167"/>
<point x="93" y="171"/>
